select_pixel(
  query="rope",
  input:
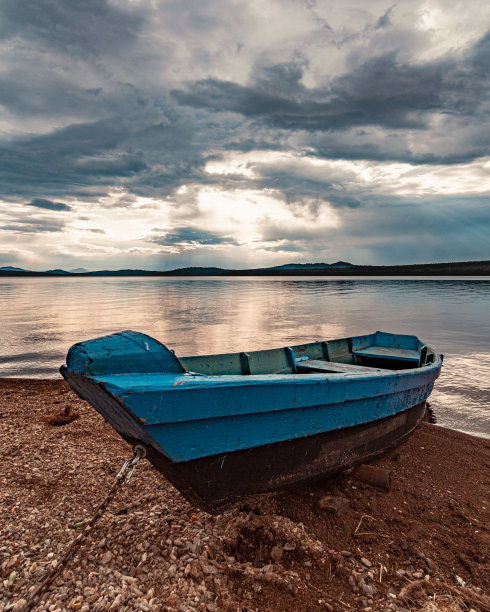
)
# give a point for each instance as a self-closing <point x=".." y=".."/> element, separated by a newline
<point x="122" y="478"/>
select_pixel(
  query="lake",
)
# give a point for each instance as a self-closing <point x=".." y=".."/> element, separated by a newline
<point x="42" y="317"/>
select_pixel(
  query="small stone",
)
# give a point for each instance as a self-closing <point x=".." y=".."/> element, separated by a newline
<point x="276" y="553"/>
<point x="431" y="564"/>
<point x="367" y="588"/>
<point x="333" y="503"/>
<point x="129" y="579"/>
<point x="195" y="570"/>
<point x="172" y="570"/>
<point x="366" y="562"/>
<point x="418" y="575"/>
<point x="346" y="553"/>
<point x="116" y="603"/>
<point x="289" y="547"/>
<point x="93" y="598"/>
<point x="11" y="579"/>
<point x="106" y="557"/>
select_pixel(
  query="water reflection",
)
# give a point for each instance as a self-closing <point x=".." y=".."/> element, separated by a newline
<point x="42" y="317"/>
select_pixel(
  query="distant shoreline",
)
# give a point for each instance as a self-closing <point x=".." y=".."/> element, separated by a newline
<point x="468" y="268"/>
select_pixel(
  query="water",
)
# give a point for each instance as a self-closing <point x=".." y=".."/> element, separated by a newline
<point x="42" y="317"/>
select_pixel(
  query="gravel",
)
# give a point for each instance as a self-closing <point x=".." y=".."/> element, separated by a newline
<point x="153" y="551"/>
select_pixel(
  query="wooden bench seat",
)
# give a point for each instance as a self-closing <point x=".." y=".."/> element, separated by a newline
<point x="388" y="353"/>
<point x="315" y="365"/>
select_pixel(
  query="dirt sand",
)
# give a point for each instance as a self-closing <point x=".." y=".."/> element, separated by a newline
<point x="422" y="545"/>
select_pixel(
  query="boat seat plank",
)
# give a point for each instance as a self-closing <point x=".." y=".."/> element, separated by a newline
<point x="388" y="353"/>
<point x="313" y="365"/>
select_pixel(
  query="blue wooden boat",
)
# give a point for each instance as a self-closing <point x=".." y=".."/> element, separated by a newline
<point x="221" y="427"/>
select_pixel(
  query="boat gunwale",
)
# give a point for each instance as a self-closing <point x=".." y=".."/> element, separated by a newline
<point x="190" y="378"/>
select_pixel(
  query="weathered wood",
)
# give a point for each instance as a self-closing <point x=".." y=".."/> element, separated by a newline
<point x="318" y="365"/>
<point x="383" y="352"/>
<point x="213" y="483"/>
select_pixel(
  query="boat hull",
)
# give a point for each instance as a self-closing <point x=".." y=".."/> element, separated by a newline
<point x="213" y="483"/>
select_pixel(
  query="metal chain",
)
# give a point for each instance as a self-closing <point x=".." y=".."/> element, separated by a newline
<point x="122" y="478"/>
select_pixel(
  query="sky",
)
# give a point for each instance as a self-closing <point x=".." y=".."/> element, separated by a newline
<point x="160" y="134"/>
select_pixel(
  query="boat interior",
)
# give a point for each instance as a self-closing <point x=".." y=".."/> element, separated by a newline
<point x="372" y="353"/>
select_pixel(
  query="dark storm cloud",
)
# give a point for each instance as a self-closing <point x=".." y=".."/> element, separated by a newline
<point x="48" y="204"/>
<point x="383" y="92"/>
<point x="151" y="144"/>
<point x="189" y="236"/>
<point x="85" y="29"/>
<point x="303" y="190"/>
<point x="85" y="159"/>
<point x="149" y="155"/>
<point x="54" y="162"/>
<point x="27" y="94"/>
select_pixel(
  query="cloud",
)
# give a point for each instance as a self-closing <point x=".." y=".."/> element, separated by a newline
<point x="384" y="20"/>
<point x="95" y="230"/>
<point x="190" y="238"/>
<point x="115" y="113"/>
<point x="48" y="205"/>
<point x="33" y="226"/>
<point x="382" y="92"/>
<point x="8" y="258"/>
<point x="85" y="29"/>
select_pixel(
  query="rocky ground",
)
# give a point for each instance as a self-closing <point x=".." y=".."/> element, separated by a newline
<point x="421" y="546"/>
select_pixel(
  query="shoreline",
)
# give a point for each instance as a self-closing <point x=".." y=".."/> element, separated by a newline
<point x="426" y="540"/>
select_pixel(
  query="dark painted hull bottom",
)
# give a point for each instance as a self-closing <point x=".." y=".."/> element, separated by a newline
<point x="212" y="483"/>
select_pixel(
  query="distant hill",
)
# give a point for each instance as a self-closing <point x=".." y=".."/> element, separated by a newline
<point x="311" y="266"/>
<point x="57" y="271"/>
<point x="339" y="268"/>
<point x="11" y="269"/>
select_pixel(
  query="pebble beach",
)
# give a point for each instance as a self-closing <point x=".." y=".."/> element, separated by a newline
<point x="422" y="545"/>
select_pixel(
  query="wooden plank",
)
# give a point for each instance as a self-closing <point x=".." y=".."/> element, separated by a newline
<point x="339" y="351"/>
<point x="272" y="361"/>
<point x="312" y="365"/>
<point x="388" y="353"/>
<point x="226" y="363"/>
